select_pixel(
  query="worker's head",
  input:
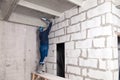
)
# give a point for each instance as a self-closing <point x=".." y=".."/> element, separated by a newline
<point x="41" y="29"/>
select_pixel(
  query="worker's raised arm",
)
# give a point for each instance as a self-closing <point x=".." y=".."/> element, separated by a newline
<point x="49" y="27"/>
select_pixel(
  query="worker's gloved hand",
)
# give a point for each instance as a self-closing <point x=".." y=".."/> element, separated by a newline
<point x="46" y="20"/>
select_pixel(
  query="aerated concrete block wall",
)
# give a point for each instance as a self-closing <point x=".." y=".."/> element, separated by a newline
<point x="89" y="34"/>
<point x="18" y="51"/>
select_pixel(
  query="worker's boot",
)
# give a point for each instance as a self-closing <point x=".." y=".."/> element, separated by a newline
<point x="40" y="69"/>
<point x="43" y="67"/>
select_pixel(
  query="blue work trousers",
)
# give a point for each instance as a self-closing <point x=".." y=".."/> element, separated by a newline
<point x="43" y="52"/>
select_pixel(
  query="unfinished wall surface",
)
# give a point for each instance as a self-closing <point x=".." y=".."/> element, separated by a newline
<point x="18" y="51"/>
<point x="90" y="38"/>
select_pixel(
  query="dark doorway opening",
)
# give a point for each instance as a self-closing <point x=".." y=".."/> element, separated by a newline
<point x="61" y="60"/>
<point x="119" y="55"/>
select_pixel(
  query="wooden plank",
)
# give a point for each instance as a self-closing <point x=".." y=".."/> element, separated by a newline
<point x="38" y="8"/>
<point x="50" y="76"/>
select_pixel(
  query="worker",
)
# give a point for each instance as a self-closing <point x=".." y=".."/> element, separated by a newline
<point x="44" y="43"/>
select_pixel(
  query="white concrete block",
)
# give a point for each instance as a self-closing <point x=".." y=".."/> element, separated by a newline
<point x="51" y="35"/>
<point x="51" y="59"/>
<point x="112" y="41"/>
<point x="115" y="52"/>
<point x="84" y="53"/>
<point x="104" y="8"/>
<point x="109" y="18"/>
<point x="112" y="64"/>
<point x="73" y="28"/>
<point x="115" y="10"/>
<point x="73" y="53"/>
<point x="87" y="5"/>
<point x="64" y="38"/>
<point x="95" y="22"/>
<point x="102" y="64"/>
<point x="54" y="27"/>
<point x="69" y="45"/>
<point x="87" y="79"/>
<point x="79" y="35"/>
<point x="105" y="75"/>
<point x="100" y="1"/>
<point x="84" y="44"/>
<point x="100" y="53"/>
<point x="78" y="18"/>
<point x="61" y="18"/>
<point x="101" y="31"/>
<point x="88" y="63"/>
<point x="74" y="77"/>
<point x="113" y="19"/>
<point x="99" y="42"/>
<point x="103" y="19"/>
<point x="74" y="70"/>
<point x="116" y="75"/>
<point x="71" y="61"/>
<point x="62" y="24"/>
<point x="49" y="65"/>
<point x="60" y="32"/>
<point x="71" y="12"/>
<point x="84" y="72"/>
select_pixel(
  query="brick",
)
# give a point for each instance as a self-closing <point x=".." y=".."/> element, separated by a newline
<point x="84" y="44"/>
<point x="73" y="53"/>
<point x="59" y="32"/>
<point x="103" y="75"/>
<point x="73" y="28"/>
<point x="112" y="64"/>
<point x="102" y="64"/>
<point x="69" y="45"/>
<point x="99" y="42"/>
<point x="112" y="41"/>
<point x="72" y="61"/>
<point x="87" y="5"/>
<point x="71" y="12"/>
<point x="79" y="35"/>
<point x="74" y="77"/>
<point x="104" y="8"/>
<point x="95" y="22"/>
<point x="88" y="63"/>
<point x="101" y="31"/>
<point x="100" y="53"/>
<point x="78" y="18"/>
<point x="74" y="70"/>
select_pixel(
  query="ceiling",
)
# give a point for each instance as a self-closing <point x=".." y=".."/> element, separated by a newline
<point x="30" y="11"/>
